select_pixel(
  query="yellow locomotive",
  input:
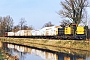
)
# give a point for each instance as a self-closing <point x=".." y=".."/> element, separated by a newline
<point x="73" y="31"/>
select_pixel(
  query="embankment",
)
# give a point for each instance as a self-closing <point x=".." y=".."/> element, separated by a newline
<point x="69" y="44"/>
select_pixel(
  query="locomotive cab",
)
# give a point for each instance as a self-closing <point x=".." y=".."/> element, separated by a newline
<point x="69" y="31"/>
<point x="82" y="32"/>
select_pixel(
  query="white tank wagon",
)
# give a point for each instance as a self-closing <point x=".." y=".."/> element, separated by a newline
<point x="46" y="32"/>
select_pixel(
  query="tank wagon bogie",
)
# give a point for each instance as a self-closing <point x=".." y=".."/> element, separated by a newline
<point x="57" y="32"/>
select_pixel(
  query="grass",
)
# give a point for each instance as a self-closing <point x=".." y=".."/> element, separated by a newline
<point x="83" y="45"/>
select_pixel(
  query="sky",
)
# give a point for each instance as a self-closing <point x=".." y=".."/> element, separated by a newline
<point x="35" y="12"/>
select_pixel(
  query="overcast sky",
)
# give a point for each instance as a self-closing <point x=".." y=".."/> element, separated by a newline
<point x="35" y="12"/>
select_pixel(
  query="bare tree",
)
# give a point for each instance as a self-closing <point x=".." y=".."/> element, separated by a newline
<point x="0" y="22"/>
<point x="1" y="30"/>
<point x="6" y="24"/>
<point x="89" y="24"/>
<point x="65" y="22"/>
<point x="48" y="24"/>
<point x="30" y="27"/>
<point x="22" y="23"/>
<point x="16" y="28"/>
<point x="9" y="23"/>
<point x="74" y="10"/>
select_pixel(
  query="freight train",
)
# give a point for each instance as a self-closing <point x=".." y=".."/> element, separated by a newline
<point x="71" y="31"/>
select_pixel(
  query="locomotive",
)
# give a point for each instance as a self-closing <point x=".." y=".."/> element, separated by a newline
<point x="71" y="31"/>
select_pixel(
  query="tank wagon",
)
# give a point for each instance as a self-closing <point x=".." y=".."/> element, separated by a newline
<point x="72" y="31"/>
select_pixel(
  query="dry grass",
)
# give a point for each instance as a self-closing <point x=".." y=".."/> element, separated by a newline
<point x="83" y="45"/>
